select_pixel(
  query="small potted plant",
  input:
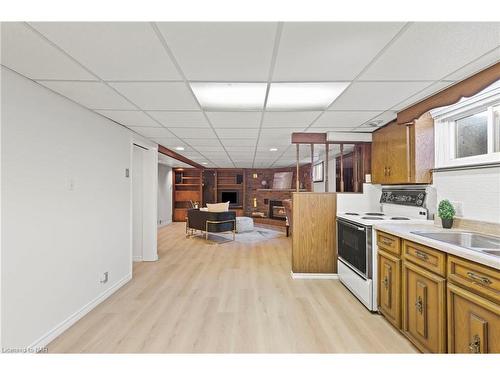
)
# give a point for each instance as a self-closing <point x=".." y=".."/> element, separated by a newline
<point x="446" y="212"/>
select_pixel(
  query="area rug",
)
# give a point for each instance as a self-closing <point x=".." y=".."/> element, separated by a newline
<point x="257" y="235"/>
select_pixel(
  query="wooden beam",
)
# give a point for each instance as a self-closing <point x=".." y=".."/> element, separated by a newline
<point x="327" y="148"/>
<point x="466" y="88"/>
<point x="341" y="168"/>
<point x="312" y="164"/>
<point x="176" y="156"/>
<point x="297" y="172"/>
<point x="309" y="138"/>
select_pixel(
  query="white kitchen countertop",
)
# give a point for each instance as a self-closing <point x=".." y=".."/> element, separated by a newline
<point x="404" y="230"/>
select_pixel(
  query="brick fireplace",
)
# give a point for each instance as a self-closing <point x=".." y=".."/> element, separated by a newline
<point x="276" y="210"/>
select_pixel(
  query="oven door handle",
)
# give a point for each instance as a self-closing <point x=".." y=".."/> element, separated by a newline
<point x="352" y="225"/>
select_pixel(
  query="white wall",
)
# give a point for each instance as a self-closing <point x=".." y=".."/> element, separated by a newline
<point x="164" y="194"/>
<point x="477" y="189"/>
<point x="66" y="213"/>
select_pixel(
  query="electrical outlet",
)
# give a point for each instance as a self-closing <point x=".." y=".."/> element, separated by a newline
<point x="104" y="277"/>
<point x="459" y="209"/>
<point x="71" y="184"/>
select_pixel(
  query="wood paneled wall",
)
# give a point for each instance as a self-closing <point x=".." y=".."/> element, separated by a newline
<point x="314" y="235"/>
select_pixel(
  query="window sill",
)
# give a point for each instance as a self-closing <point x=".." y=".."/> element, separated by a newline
<point x="468" y="166"/>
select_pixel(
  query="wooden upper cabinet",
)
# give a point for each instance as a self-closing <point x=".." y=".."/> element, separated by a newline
<point x="404" y="153"/>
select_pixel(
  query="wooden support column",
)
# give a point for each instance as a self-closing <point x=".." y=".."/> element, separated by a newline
<point x="297" y="187"/>
<point x="312" y="163"/>
<point x="341" y="167"/>
<point x="327" y="147"/>
<point x="355" y="169"/>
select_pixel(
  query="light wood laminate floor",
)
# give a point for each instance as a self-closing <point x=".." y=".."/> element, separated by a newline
<point x="234" y="297"/>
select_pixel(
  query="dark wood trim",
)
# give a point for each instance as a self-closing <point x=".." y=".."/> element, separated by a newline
<point x="327" y="150"/>
<point x="176" y="156"/>
<point x="466" y="88"/>
<point x="308" y="138"/>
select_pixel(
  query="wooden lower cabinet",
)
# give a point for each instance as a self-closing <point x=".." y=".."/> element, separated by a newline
<point x="473" y="322"/>
<point x="424" y="308"/>
<point x="389" y="287"/>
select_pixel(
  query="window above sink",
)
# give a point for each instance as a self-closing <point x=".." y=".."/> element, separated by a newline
<point x="468" y="132"/>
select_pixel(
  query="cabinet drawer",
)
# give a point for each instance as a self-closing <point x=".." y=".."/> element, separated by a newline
<point x="476" y="277"/>
<point x="389" y="243"/>
<point x="430" y="259"/>
<point x="473" y="322"/>
<point x="389" y="287"/>
<point x="424" y="308"/>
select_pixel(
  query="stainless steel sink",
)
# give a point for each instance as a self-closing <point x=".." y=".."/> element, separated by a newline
<point x="470" y="240"/>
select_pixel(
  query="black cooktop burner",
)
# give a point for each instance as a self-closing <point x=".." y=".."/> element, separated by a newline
<point x="374" y="214"/>
<point x="399" y="218"/>
<point x="352" y="213"/>
<point x="372" y="218"/>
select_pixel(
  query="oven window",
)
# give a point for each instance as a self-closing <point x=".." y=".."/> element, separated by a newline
<point x="352" y="246"/>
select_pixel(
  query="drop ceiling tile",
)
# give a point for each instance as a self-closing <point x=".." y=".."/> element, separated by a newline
<point x="376" y="96"/>
<point x="193" y="132"/>
<point x="24" y="51"/>
<point x="221" y="51"/>
<point x="113" y="50"/>
<point x="476" y="66"/>
<point x="130" y="118"/>
<point x="209" y="148"/>
<point x="432" y="50"/>
<point x="289" y="119"/>
<point x="274" y="142"/>
<point x="225" y="133"/>
<point x="433" y="89"/>
<point x="94" y="95"/>
<point x="203" y="142"/>
<point x="158" y="95"/>
<point x="167" y="141"/>
<point x="323" y="129"/>
<point x="151" y="132"/>
<point x="321" y="51"/>
<point x="180" y="119"/>
<point x="277" y="133"/>
<point x="238" y="143"/>
<point x="235" y="119"/>
<point x="380" y="120"/>
<point x="344" y="119"/>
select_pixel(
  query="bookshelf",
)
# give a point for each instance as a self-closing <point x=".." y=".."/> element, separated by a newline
<point x="187" y="187"/>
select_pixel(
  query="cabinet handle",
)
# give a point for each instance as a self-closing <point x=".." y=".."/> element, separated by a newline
<point x="480" y="279"/>
<point x="385" y="171"/>
<point x="421" y="255"/>
<point x="475" y="345"/>
<point x="386" y="242"/>
<point x="389" y="170"/>
<point x="419" y="305"/>
<point x="386" y="283"/>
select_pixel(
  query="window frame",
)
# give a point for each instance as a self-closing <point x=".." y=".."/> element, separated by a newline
<point x="445" y="128"/>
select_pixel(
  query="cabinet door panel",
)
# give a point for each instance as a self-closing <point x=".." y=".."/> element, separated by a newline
<point x="398" y="154"/>
<point x="421" y="307"/>
<point x="389" y="290"/>
<point x="424" y="308"/>
<point x="473" y="322"/>
<point x="379" y="152"/>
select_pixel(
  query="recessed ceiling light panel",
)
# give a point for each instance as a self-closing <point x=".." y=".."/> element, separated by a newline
<point x="310" y="96"/>
<point x="273" y="149"/>
<point x="179" y="148"/>
<point x="214" y="96"/>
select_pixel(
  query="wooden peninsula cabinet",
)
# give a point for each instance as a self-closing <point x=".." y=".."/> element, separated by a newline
<point x="404" y="154"/>
<point x="440" y="302"/>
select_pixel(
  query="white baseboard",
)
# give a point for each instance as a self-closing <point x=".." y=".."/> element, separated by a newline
<point x="137" y="258"/>
<point x="73" y="318"/>
<point x="314" y="275"/>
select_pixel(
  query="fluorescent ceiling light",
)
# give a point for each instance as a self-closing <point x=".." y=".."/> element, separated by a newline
<point x="222" y="95"/>
<point x="304" y="96"/>
<point x="179" y="148"/>
<point x="273" y="149"/>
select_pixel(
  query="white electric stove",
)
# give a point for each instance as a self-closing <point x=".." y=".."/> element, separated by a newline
<point x="356" y="241"/>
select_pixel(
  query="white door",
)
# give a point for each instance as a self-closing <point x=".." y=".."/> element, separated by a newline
<point x="137" y="202"/>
